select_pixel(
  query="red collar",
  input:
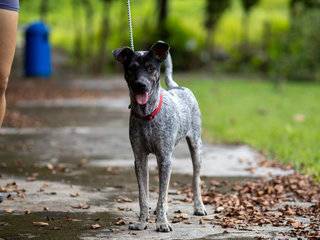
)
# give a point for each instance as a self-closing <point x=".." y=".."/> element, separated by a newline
<point x="152" y="115"/>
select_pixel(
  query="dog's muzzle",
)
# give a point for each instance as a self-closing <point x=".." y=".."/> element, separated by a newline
<point x="142" y="94"/>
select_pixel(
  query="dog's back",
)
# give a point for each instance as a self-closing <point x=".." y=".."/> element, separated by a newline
<point x="185" y="100"/>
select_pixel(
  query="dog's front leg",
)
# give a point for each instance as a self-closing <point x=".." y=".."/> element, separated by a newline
<point x="142" y="173"/>
<point x="164" y="165"/>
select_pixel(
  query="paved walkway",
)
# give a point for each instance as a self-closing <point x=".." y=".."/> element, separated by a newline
<point x="76" y="173"/>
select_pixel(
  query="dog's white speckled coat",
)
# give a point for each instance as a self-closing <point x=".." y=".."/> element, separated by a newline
<point x="179" y="117"/>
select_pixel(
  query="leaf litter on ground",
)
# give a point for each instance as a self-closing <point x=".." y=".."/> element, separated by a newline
<point x="266" y="201"/>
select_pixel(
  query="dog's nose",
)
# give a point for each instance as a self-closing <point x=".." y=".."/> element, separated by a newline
<point x="141" y="86"/>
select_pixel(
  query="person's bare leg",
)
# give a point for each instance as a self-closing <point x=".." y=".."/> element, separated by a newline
<point x="8" y="34"/>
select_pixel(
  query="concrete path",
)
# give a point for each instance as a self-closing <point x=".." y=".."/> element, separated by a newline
<point x="77" y="172"/>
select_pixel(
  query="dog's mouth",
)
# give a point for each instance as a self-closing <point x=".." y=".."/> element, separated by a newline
<point x="142" y="98"/>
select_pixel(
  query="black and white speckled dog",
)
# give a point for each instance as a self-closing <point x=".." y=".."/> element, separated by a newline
<point x="159" y="120"/>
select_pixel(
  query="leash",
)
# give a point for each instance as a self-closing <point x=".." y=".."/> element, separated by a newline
<point x="130" y="25"/>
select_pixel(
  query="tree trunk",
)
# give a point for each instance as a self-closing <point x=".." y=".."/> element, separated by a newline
<point x="163" y="13"/>
<point x="43" y="10"/>
<point x="88" y="52"/>
<point x="214" y="11"/>
<point x="101" y="58"/>
<point x="245" y="35"/>
<point x="78" y="44"/>
<point x="163" y="6"/>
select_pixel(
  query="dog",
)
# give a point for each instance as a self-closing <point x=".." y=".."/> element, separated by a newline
<point x="159" y="119"/>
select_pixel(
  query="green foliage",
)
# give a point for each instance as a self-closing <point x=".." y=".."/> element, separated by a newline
<point x="248" y="4"/>
<point x="299" y="55"/>
<point x="298" y="6"/>
<point x="184" y="44"/>
<point x="214" y="11"/>
<point x="282" y="122"/>
<point x="278" y="51"/>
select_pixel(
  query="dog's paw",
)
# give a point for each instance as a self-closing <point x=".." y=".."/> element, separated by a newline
<point x="138" y="226"/>
<point x="200" y="211"/>
<point x="163" y="227"/>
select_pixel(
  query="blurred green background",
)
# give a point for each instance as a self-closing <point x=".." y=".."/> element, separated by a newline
<point x="253" y="65"/>
<point x="278" y="38"/>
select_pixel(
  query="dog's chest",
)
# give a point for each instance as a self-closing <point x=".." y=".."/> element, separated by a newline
<point x="157" y="136"/>
<point x="147" y="135"/>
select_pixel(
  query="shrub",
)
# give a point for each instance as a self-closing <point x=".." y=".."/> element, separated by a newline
<point x="299" y="58"/>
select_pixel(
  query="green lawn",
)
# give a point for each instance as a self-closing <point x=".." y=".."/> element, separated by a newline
<point x="236" y="110"/>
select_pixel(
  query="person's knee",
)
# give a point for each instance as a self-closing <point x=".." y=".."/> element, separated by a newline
<point x="3" y="84"/>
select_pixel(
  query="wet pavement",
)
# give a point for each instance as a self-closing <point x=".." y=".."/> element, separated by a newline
<point x="77" y="171"/>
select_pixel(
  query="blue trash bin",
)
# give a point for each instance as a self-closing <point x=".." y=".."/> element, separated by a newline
<point x="37" y="51"/>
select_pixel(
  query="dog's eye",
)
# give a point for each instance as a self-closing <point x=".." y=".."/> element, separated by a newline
<point x="133" y="67"/>
<point x="150" y="68"/>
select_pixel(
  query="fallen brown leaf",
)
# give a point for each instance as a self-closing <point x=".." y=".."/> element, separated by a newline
<point x="40" y="224"/>
<point x="51" y="193"/>
<point x="189" y="200"/>
<point x="120" y="222"/>
<point x="114" y="230"/>
<point x="95" y="226"/>
<point x="50" y="166"/>
<point x="291" y="220"/>
<point x="74" y="194"/>
<point x="295" y="224"/>
<point x="81" y="206"/>
<point x="177" y="220"/>
<point x="123" y="200"/>
<point x="215" y="183"/>
<point x="10" y="197"/>
<point x="299" y="117"/>
<point x="12" y="185"/>
<point x="207" y="218"/>
<point x="124" y="209"/>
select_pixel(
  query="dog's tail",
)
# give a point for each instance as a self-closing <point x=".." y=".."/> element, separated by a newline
<point x="168" y="73"/>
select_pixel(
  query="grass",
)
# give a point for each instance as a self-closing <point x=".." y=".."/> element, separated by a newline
<point x="254" y="112"/>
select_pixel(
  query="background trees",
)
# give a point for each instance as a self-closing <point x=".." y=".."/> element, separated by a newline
<point x="247" y="7"/>
<point x="198" y="31"/>
<point x="213" y="13"/>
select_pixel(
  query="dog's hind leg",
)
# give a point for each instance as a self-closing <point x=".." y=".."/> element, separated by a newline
<point x="195" y="147"/>
<point x="142" y="173"/>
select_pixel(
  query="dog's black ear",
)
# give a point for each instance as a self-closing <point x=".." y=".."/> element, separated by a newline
<point x="122" y="54"/>
<point x="160" y="50"/>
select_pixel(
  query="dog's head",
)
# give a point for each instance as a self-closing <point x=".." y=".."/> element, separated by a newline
<point x="142" y="69"/>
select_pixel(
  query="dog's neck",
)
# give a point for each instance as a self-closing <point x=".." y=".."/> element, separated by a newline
<point x="150" y="106"/>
